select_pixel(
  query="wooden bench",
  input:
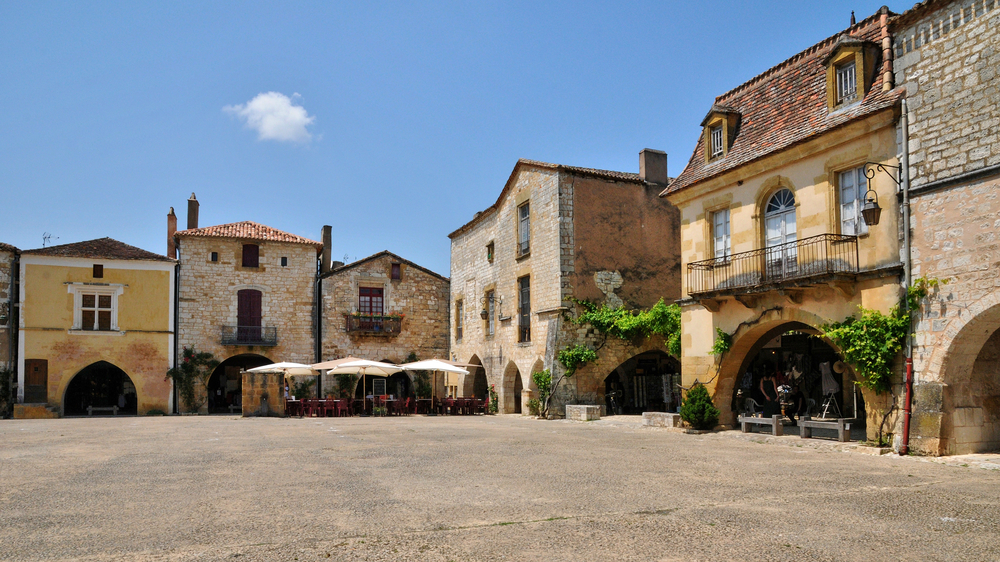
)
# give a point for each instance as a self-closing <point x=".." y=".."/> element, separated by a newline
<point x="92" y="409"/>
<point x="773" y="421"/>
<point x="807" y="424"/>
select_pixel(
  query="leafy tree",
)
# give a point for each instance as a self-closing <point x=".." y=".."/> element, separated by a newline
<point x="191" y="377"/>
<point x="697" y="408"/>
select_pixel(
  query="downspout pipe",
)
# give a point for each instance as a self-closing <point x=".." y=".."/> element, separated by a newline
<point x="904" y="173"/>
<point x="177" y="333"/>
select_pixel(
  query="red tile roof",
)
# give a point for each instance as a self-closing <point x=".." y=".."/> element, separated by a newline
<point x="8" y="248"/>
<point x="247" y="230"/>
<point x="101" y="248"/>
<point x="787" y="105"/>
<point x="603" y="174"/>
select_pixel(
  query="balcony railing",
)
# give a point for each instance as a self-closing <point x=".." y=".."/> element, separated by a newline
<point x="249" y="335"/>
<point x="796" y="262"/>
<point x="373" y="324"/>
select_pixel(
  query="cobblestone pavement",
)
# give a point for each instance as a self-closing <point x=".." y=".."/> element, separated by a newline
<point x="472" y="488"/>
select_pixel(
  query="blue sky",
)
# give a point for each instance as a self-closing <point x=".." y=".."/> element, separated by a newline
<point x="395" y="122"/>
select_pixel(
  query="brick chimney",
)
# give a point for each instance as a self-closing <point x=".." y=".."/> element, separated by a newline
<point x="324" y="266"/>
<point x="653" y="166"/>
<point x="171" y="229"/>
<point x="193" y="212"/>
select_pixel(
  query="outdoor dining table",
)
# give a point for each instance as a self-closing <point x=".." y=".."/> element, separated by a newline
<point x="424" y="405"/>
<point x="293" y="407"/>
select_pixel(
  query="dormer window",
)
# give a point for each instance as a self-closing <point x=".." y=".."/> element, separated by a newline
<point x="849" y="73"/>
<point x="717" y="142"/>
<point x="847" y="88"/>
<point x="721" y="127"/>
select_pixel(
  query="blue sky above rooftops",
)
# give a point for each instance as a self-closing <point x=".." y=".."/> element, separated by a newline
<point x="393" y="122"/>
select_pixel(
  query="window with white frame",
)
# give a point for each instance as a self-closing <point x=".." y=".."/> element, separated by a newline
<point x="95" y="307"/>
<point x="720" y="233"/>
<point x="717" y="147"/>
<point x="853" y="186"/>
<point x="846" y="83"/>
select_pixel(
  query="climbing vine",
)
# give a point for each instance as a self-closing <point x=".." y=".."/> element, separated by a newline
<point x="723" y="341"/>
<point x="576" y="356"/>
<point x="870" y="342"/>
<point x="633" y="326"/>
<point x="192" y="376"/>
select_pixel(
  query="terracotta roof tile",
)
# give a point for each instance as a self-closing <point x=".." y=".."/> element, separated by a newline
<point x="787" y="105"/>
<point x="247" y="230"/>
<point x="8" y="248"/>
<point x="101" y="248"/>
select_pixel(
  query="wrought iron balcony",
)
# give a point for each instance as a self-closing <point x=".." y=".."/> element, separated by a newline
<point x="801" y="262"/>
<point x="389" y="325"/>
<point x="250" y="335"/>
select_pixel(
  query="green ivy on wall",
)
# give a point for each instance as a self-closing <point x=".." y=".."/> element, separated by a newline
<point x="633" y="326"/>
<point x="870" y="342"/>
<point x="576" y="356"/>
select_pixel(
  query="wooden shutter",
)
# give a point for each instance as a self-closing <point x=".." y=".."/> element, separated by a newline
<point x="36" y="381"/>
<point x="251" y="255"/>
<point x="248" y="315"/>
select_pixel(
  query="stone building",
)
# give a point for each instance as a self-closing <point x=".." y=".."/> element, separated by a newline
<point x="96" y="330"/>
<point x="947" y="57"/>
<point x="555" y="233"/>
<point x="384" y="308"/>
<point x="772" y="237"/>
<point x="246" y="294"/>
<point x="8" y="326"/>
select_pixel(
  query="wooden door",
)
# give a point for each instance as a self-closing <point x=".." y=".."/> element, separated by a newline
<point x="36" y="381"/>
<point x="248" y="315"/>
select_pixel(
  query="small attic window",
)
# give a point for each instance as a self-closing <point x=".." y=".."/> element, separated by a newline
<point x="847" y="88"/>
<point x="717" y="142"/>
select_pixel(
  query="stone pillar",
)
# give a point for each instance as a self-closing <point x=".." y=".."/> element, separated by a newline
<point x="263" y="394"/>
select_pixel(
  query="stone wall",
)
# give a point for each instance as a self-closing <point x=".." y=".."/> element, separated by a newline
<point x="6" y="314"/>
<point x="263" y="394"/>
<point x="208" y="296"/>
<point x="948" y="56"/>
<point x="421" y="296"/>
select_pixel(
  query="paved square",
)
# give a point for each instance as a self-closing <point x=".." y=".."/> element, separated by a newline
<point x="469" y="488"/>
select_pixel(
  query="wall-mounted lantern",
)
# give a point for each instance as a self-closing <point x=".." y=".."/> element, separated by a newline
<point x="871" y="210"/>
<point x="486" y="301"/>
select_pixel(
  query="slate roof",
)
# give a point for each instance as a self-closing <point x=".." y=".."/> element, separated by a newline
<point x="101" y="248"/>
<point x="592" y="172"/>
<point x="383" y="253"/>
<point x="8" y="248"/>
<point x="787" y="105"/>
<point x="247" y="230"/>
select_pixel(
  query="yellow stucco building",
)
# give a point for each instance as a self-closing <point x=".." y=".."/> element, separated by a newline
<point x="96" y="331"/>
<point x="773" y="244"/>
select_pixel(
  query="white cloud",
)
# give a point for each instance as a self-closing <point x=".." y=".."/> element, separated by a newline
<point x="275" y="117"/>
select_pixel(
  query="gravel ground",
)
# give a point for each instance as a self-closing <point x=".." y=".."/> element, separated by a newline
<point x="469" y="488"/>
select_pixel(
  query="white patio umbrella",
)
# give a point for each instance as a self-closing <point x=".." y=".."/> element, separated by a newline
<point x="434" y="365"/>
<point x="290" y="369"/>
<point x="365" y="367"/>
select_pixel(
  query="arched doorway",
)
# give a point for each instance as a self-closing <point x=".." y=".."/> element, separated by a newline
<point x="512" y="387"/>
<point x="100" y="385"/>
<point x="225" y="386"/>
<point x="476" y="383"/>
<point x="646" y="382"/>
<point x="399" y="385"/>
<point x="794" y="354"/>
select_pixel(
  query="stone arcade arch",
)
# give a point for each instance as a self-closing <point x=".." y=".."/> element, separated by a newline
<point x="643" y="383"/>
<point x="512" y="386"/>
<point x="475" y="383"/>
<point x="225" y="385"/>
<point x="966" y="362"/>
<point x="101" y="385"/>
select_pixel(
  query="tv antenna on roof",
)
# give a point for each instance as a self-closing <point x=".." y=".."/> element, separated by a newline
<point x="47" y="238"/>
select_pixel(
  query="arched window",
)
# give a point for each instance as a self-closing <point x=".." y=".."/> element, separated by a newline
<point x="779" y="224"/>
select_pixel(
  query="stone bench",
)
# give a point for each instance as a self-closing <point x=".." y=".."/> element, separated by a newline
<point x="583" y="412"/>
<point x="661" y="419"/>
<point x="235" y="408"/>
<point x="774" y="421"/>
<point x="807" y="424"/>
<point x="92" y="409"/>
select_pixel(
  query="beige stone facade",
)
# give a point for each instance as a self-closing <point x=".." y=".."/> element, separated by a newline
<point x="947" y="57"/>
<point x="772" y="244"/>
<point x="8" y="323"/>
<point x="211" y="279"/>
<point x="557" y="232"/>
<point x="412" y="316"/>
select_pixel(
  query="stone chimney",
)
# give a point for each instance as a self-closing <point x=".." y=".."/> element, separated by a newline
<point x="324" y="266"/>
<point x="171" y="230"/>
<point x="653" y="166"/>
<point x="193" y="212"/>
